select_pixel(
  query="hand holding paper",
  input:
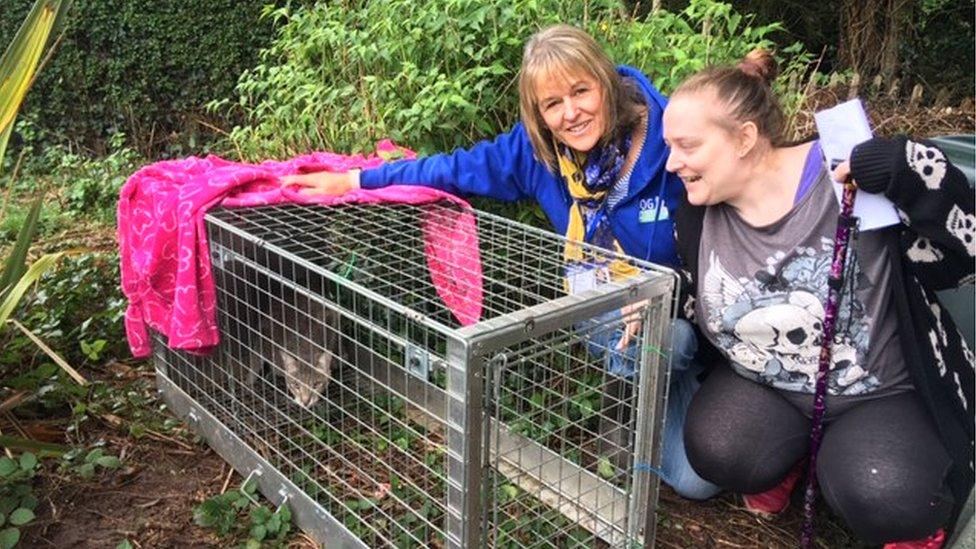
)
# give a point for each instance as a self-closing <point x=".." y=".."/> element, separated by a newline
<point x="842" y="128"/>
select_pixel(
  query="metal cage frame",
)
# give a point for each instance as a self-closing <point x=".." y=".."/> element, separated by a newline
<point x="463" y="416"/>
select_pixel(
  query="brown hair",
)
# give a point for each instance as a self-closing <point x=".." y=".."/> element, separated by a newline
<point x="562" y="50"/>
<point x="747" y="91"/>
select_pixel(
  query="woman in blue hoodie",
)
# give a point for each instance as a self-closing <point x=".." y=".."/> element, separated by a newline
<point x="589" y="150"/>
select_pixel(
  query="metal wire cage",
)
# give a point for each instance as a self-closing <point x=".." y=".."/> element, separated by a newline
<point x="347" y="388"/>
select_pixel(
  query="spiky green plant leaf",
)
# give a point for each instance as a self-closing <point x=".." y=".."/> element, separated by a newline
<point x="16" y="263"/>
<point x="20" y="60"/>
<point x="33" y="274"/>
<point x="17" y="69"/>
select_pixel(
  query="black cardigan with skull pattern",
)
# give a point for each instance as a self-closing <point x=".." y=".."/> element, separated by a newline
<point x="936" y="241"/>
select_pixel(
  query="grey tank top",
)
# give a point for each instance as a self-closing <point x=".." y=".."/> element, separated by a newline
<point x="761" y="296"/>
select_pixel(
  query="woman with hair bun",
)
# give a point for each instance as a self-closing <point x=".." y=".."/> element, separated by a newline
<point x="589" y="151"/>
<point x="757" y="236"/>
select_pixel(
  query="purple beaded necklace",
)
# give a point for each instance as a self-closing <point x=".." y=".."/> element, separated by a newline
<point x="846" y="224"/>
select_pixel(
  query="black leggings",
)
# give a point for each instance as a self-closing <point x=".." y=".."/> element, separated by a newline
<point x="881" y="465"/>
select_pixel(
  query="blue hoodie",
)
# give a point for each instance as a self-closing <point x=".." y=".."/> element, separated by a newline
<point x="506" y="169"/>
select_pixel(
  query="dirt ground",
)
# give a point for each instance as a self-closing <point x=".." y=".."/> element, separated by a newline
<point x="150" y="501"/>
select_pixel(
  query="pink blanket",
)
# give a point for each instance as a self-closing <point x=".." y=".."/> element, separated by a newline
<point x="165" y="259"/>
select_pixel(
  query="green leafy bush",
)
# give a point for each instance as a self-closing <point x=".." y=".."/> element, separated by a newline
<point x="91" y="186"/>
<point x="940" y="55"/>
<point x="80" y="303"/>
<point x="54" y="388"/>
<point x="143" y="68"/>
<point x="77" y="186"/>
<point x="17" y="500"/>
<point x="441" y="74"/>
<point x="17" y="215"/>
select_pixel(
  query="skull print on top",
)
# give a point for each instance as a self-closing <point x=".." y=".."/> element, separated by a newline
<point x="761" y="292"/>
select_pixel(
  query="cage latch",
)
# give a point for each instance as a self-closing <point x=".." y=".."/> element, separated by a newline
<point x="247" y="489"/>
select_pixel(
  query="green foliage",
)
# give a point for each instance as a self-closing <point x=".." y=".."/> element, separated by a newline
<point x="220" y="512"/>
<point x="78" y="306"/>
<point x="77" y="309"/>
<point x="87" y="464"/>
<point x="15" y="264"/>
<point x="12" y="297"/>
<point x="233" y="513"/>
<point x="17" y="70"/>
<point x="435" y="75"/>
<point x="86" y="188"/>
<point x="54" y="387"/>
<point x="441" y="74"/>
<point x="17" y="218"/>
<point x="93" y="350"/>
<point x="18" y="67"/>
<point x="672" y="46"/>
<point x="17" y="500"/>
<point x="941" y="54"/>
<point x="935" y="50"/>
<point x="134" y="406"/>
<point x="91" y="186"/>
<point x="141" y="67"/>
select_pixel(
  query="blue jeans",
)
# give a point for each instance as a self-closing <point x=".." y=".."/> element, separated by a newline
<point x="675" y="469"/>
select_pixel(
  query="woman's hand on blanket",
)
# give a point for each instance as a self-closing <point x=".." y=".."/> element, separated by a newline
<point x="631" y="315"/>
<point x="327" y="183"/>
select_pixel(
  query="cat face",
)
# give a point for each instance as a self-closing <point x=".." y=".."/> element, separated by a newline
<point x="305" y="382"/>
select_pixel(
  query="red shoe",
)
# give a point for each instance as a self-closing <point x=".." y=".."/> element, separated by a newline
<point x="934" y="541"/>
<point x="773" y="501"/>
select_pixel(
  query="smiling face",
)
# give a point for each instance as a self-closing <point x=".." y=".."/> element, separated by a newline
<point x="703" y="152"/>
<point x="573" y="108"/>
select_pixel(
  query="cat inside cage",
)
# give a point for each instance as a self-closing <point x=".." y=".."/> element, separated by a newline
<point x="285" y="341"/>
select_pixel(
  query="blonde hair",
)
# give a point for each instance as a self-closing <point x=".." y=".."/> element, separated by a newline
<point x="746" y="89"/>
<point x="563" y="50"/>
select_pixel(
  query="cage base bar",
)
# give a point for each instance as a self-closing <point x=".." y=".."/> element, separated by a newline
<point x="308" y="515"/>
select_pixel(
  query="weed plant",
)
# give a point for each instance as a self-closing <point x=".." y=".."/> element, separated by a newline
<point x="236" y="514"/>
<point x="17" y="500"/>
<point x="77" y="309"/>
<point x="441" y="74"/>
<point x="85" y="190"/>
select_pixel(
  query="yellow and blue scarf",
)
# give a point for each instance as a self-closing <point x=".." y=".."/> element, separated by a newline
<point x="591" y="178"/>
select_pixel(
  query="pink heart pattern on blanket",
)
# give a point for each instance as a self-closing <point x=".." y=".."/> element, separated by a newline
<point x="164" y="254"/>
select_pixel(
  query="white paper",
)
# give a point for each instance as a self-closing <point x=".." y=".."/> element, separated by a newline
<point x="585" y="277"/>
<point x="582" y="280"/>
<point x="841" y="128"/>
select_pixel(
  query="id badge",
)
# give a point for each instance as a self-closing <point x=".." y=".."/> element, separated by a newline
<point x="581" y="277"/>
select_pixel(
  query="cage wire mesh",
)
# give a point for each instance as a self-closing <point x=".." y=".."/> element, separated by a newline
<point x="346" y="386"/>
